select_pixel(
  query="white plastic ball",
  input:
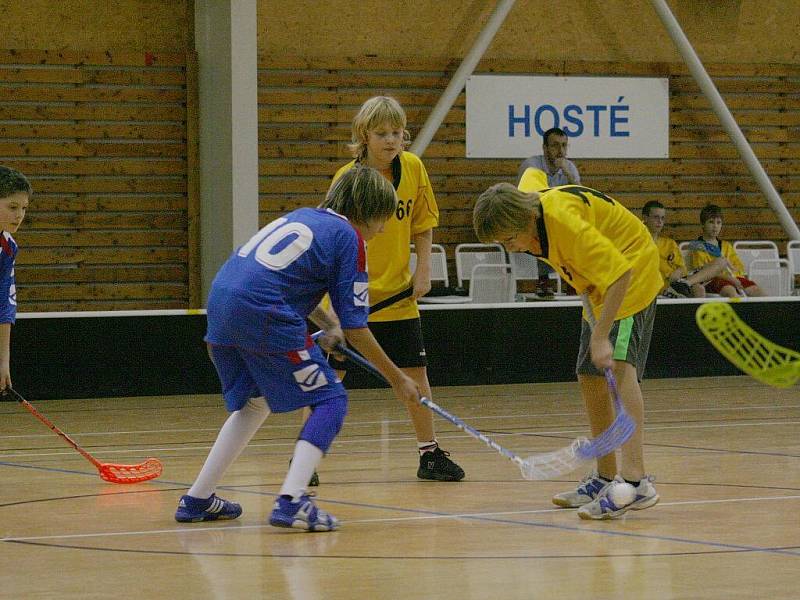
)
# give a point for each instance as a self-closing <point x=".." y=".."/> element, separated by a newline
<point x="621" y="493"/>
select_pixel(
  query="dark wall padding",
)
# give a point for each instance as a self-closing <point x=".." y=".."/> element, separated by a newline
<point x="87" y="357"/>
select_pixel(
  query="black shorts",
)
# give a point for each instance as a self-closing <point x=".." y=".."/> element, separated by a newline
<point x="401" y="340"/>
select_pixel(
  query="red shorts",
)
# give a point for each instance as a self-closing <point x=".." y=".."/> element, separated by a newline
<point x="717" y="283"/>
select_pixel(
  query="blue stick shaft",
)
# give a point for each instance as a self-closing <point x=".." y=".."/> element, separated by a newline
<point x="370" y="368"/>
<point x="610" y="379"/>
<point x="469" y="429"/>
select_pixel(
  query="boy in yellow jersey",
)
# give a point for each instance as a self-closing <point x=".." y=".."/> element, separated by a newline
<point x="709" y="248"/>
<point x="379" y="138"/>
<point x="678" y="282"/>
<point x="606" y="252"/>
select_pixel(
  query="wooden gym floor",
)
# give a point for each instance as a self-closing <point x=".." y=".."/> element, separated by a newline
<point x="725" y="452"/>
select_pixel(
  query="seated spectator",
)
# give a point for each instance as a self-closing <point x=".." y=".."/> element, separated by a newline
<point x="678" y="282"/>
<point x="708" y="247"/>
<point x="551" y="168"/>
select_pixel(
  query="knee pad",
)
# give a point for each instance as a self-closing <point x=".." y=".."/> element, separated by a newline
<point x="325" y="422"/>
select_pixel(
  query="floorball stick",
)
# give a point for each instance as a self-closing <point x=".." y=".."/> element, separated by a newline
<point x="623" y="426"/>
<point x="747" y="349"/>
<point x="149" y="469"/>
<point x="406" y="293"/>
<point x="546" y="465"/>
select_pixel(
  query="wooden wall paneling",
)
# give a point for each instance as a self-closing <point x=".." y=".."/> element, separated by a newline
<point x="103" y="138"/>
<point x="193" y="179"/>
<point x="305" y="107"/>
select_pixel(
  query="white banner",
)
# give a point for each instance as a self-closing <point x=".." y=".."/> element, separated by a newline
<point x="603" y="117"/>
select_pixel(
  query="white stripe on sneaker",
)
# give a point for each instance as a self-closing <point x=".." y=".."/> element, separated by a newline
<point x="215" y="506"/>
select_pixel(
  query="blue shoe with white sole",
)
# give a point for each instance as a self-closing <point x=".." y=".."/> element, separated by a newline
<point x="303" y="514"/>
<point x="194" y="510"/>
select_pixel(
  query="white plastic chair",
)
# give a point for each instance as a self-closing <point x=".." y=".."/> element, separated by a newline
<point x="750" y="250"/>
<point x="438" y="263"/>
<point x="772" y="275"/>
<point x="793" y="255"/>
<point x="492" y="283"/>
<point x="469" y="255"/>
<point x="438" y="274"/>
<point x="524" y="266"/>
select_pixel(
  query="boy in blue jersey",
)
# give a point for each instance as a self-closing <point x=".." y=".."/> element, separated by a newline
<point x="15" y="193"/>
<point x="258" y="339"/>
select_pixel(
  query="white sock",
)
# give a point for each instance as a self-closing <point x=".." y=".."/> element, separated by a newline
<point x="235" y="434"/>
<point x="304" y="462"/>
<point x="424" y="447"/>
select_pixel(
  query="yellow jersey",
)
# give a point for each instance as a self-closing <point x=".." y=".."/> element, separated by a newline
<point x="533" y="180"/>
<point x="670" y="259"/>
<point x="388" y="253"/>
<point x="591" y="240"/>
<point x="702" y="253"/>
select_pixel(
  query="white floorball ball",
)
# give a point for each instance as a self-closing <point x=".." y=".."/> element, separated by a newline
<point x="621" y="493"/>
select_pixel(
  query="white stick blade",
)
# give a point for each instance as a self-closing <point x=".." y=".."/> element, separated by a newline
<point x="549" y="465"/>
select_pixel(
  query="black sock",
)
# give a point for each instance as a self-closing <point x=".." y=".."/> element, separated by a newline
<point x="633" y="483"/>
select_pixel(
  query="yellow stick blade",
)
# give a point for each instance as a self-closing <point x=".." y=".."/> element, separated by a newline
<point x="747" y="349"/>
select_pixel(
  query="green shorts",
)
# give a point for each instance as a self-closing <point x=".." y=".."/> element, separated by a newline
<point x="630" y="338"/>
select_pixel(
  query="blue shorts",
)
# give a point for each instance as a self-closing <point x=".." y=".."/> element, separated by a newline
<point x="287" y="381"/>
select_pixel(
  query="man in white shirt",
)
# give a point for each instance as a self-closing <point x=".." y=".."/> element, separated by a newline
<point x="553" y="161"/>
<point x="559" y="170"/>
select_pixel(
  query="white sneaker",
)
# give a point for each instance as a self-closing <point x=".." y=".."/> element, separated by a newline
<point x="646" y="494"/>
<point x="603" y="507"/>
<point x="586" y="491"/>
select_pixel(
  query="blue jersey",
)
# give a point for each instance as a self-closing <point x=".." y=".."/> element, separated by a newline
<point x="262" y="295"/>
<point x="8" y="288"/>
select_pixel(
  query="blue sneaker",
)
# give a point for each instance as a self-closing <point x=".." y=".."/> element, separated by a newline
<point x="586" y="491"/>
<point x="193" y="510"/>
<point x="303" y="514"/>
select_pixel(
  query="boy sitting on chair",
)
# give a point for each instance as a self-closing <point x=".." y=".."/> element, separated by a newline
<point x="708" y="248"/>
<point x="678" y="282"/>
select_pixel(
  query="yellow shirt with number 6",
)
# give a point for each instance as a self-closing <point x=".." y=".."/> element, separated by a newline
<point x="388" y="253"/>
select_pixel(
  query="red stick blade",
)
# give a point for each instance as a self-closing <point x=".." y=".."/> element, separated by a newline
<point x="149" y="469"/>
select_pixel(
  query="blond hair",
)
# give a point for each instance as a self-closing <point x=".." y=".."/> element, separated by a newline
<point x="503" y="210"/>
<point x="362" y="195"/>
<point x="373" y="113"/>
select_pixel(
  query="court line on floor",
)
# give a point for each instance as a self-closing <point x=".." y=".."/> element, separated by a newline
<point x="403" y="421"/>
<point x="421" y="517"/>
<point x="491" y="517"/>
<point x="455" y="434"/>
